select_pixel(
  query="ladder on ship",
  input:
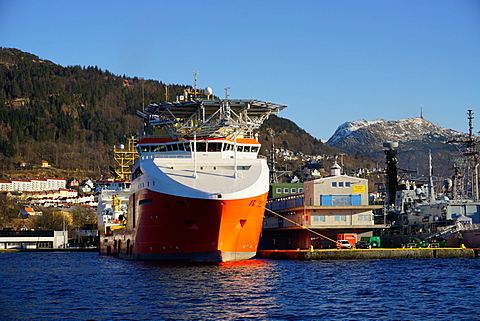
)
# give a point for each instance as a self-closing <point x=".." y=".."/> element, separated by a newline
<point x="448" y="231"/>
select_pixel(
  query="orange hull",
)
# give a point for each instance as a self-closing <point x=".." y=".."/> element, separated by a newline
<point x="177" y="228"/>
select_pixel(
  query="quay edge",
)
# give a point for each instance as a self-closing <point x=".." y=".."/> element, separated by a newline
<point x="370" y="254"/>
<point x="50" y="250"/>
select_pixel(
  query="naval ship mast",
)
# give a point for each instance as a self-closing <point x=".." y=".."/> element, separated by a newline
<point x="465" y="177"/>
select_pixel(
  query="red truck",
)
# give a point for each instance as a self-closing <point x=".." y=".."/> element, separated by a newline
<point x="350" y="237"/>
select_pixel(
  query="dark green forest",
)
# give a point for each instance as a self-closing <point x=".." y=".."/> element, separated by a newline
<point x="73" y="116"/>
<point x="70" y="116"/>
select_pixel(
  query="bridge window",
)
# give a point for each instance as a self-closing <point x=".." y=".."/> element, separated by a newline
<point x="214" y="147"/>
<point x="201" y="147"/>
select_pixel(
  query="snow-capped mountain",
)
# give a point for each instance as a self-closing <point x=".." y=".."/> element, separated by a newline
<point x="403" y="130"/>
<point x="416" y="136"/>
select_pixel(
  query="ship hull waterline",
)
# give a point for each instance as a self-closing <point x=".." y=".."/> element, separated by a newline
<point x="163" y="227"/>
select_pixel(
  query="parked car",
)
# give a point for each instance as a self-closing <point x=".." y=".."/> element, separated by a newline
<point x="344" y="244"/>
<point x="363" y="245"/>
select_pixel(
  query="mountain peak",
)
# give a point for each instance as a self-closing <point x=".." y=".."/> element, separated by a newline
<point x="390" y="130"/>
<point x="415" y="135"/>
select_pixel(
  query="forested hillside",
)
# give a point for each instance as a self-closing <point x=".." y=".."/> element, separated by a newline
<point x="286" y="134"/>
<point x="69" y="116"/>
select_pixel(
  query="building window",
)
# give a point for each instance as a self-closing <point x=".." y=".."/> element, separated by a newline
<point x="294" y="190"/>
<point x="341" y="200"/>
<point x="334" y="184"/>
<point x="279" y="191"/>
<point x="340" y="184"/>
<point x="364" y="217"/>
<point x="347" y="184"/>
<point x="340" y="218"/>
<point x="300" y="190"/>
<point x="286" y="190"/>
<point x="318" y="218"/>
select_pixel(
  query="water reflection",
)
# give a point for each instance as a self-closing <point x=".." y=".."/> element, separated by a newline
<point x="229" y="290"/>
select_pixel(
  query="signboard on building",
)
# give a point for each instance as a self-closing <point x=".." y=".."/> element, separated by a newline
<point x="359" y="189"/>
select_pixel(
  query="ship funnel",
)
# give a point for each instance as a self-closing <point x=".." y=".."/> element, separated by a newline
<point x="392" y="172"/>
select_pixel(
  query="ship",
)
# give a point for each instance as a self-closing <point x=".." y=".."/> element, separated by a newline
<point x="421" y="216"/>
<point x="199" y="186"/>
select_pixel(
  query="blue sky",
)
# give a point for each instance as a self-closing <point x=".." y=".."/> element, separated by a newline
<point x="329" y="61"/>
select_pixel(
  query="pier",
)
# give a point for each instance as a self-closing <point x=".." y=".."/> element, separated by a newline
<point x="367" y="254"/>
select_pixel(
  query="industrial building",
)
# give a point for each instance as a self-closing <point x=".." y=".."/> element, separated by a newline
<point x="332" y="205"/>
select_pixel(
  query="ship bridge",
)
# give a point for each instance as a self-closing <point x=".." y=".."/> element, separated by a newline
<point x="210" y="118"/>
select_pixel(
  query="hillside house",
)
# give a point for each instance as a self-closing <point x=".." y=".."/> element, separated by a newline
<point x="45" y="164"/>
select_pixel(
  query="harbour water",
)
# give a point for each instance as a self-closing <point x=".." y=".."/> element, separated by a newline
<point x="87" y="286"/>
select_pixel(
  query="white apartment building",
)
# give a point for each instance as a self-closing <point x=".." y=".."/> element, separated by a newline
<point x="39" y="185"/>
<point x="21" y="185"/>
<point x="56" y="183"/>
<point x="33" y="185"/>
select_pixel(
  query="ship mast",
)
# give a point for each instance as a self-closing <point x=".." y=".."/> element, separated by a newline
<point x="125" y="158"/>
<point x="465" y="178"/>
<point x="274" y="173"/>
<point x="431" y="192"/>
<point x="273" y="170"/>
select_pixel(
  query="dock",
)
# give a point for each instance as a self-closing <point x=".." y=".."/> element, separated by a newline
<point x="68" y="249"/>
<point x="367" y="254"/>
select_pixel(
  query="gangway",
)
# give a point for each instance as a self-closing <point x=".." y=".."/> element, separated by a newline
<point x="448" y="231"/>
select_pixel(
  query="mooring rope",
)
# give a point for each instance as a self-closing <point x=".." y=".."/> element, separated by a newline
<point x="302" y="226"/>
